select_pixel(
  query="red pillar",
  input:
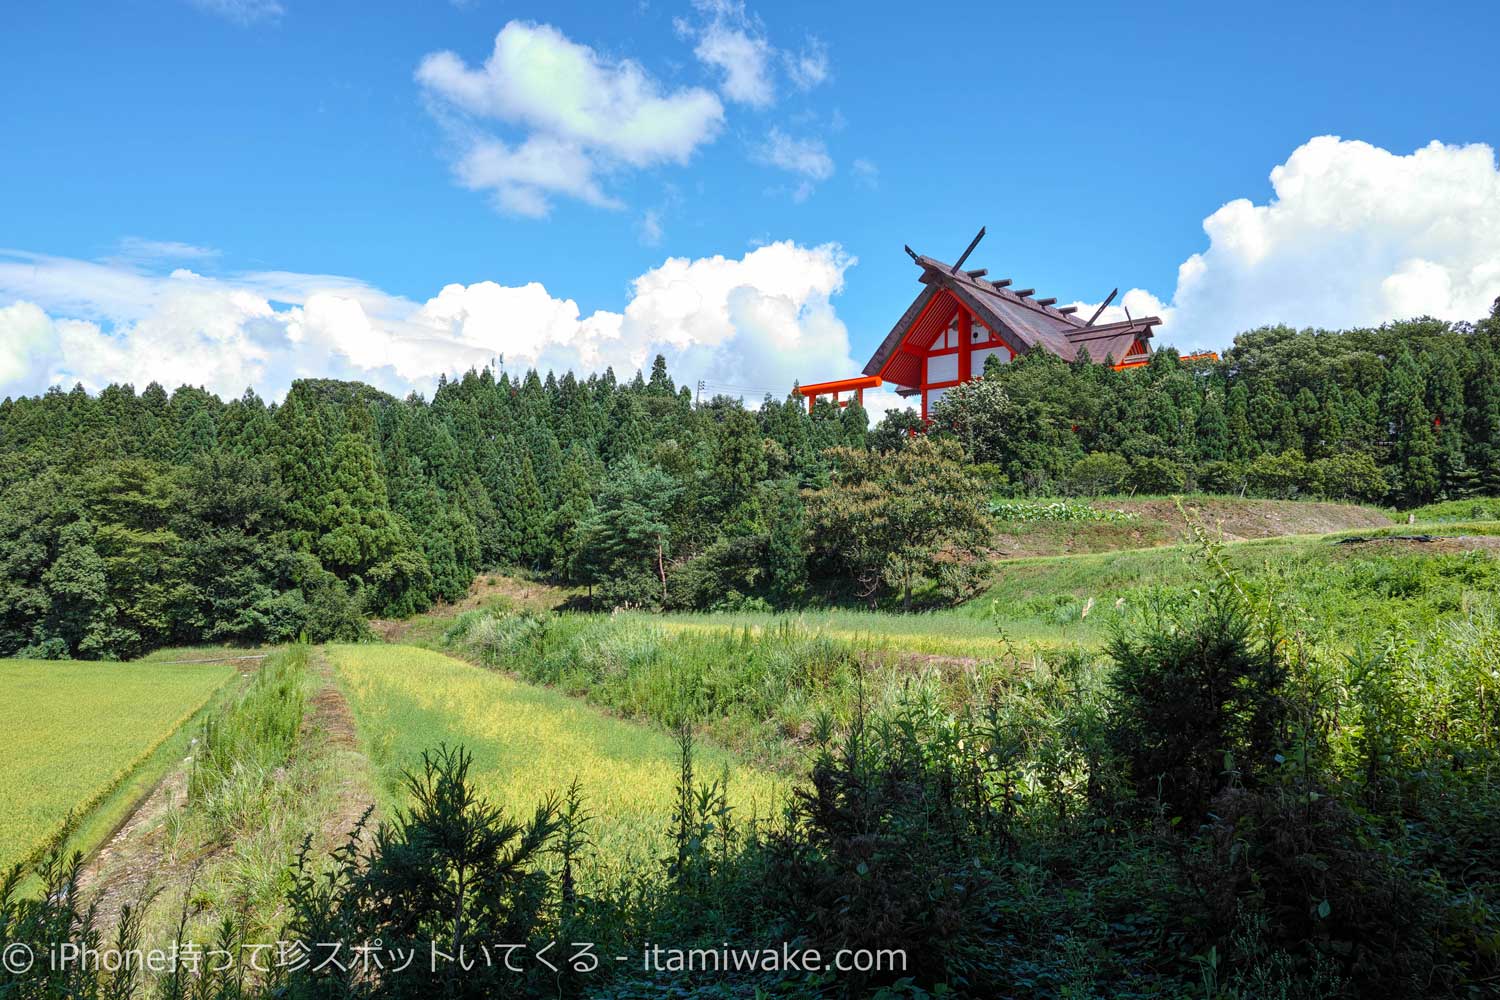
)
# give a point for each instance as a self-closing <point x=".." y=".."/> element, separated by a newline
<point x="965" y="345"/>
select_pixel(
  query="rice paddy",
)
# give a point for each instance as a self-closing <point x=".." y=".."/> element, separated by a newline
<point x="79" y="730"/>
<point x="528" y="743"/>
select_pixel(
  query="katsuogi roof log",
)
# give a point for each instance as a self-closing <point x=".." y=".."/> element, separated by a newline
<point x="1023" y="323"/>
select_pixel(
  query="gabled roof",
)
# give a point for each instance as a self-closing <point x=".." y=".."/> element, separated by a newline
<point x="1021" y="321"/>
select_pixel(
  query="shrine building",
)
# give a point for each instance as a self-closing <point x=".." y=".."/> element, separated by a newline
<point x="960" y="319"/>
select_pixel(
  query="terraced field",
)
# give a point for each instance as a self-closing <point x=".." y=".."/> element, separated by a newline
<point x="80" y="730"/>
<point x="528" y="742"/>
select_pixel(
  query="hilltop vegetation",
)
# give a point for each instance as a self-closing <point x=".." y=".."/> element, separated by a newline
<point x="132" y="520"/>
<point x="1403" y="414"/>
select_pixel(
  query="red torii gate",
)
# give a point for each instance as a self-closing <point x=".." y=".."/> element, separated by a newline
<point x="838" y="386"/>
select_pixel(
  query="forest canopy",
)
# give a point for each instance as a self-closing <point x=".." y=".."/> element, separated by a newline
<point x="129" y="520"/>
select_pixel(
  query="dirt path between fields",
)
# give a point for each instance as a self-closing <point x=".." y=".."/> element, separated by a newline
<point x="329" y="724"/>
<point x="146" y="856"/>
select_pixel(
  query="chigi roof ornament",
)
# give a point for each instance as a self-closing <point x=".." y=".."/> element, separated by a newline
<point x="960" y="320"/>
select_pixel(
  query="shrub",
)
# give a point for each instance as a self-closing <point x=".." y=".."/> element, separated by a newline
<point x="1282" y="476"/>
<point x="1221" y="477"/>
<point x="1350" y="476"/>
<point x="1324" y="886"/>
<point x="451" y="871"/>
<point x="1097" y="473"/>
<point x="888" y="521"/>
<point x="1197" y="703"/>
<point x="883" y="849"/>
<point x="1157" y="475"/>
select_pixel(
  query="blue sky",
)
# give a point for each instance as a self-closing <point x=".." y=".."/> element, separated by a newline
<point x="244" y="138"/>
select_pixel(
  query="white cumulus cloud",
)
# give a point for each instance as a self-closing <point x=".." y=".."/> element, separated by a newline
<point x="762" y="321"/>
<point x="582" y="114"/>
<point x="1353" y="235"/>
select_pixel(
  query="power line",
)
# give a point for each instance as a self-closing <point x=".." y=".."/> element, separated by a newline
<point x="703" y="384"/>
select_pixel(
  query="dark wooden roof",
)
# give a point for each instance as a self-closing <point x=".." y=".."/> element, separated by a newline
<point x="1024" y="323"/>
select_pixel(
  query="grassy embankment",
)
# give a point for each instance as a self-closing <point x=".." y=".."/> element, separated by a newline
<point x="87" y="739"/>
<point x="1034" y="532"/>
<point x="1058" y="602"/>
<point x="762" y="684"/>
<point x="1473" y="509"/>
<point x="528" y="743"/>
<point x="1071" y="526"/>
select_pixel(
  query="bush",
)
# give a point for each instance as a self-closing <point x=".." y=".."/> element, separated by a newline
<point x="1221" y="477"/>
<point x="885" y="848"/>
<point x="1323" y="885"/>
<point x="1282" y="476"/>
<point x="1157" y="475"/>
<point x="1197" y="706"/>
<point x="1350" y="476"/>
<point x="1097" y="473"/>
<point x="451" y="871"/>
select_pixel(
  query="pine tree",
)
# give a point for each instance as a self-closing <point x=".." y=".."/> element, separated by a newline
<point x="661" y="383"/>
<point x="1241" y="438"/>
<point x="1213" y="441"/>
<point x="199" y="436"/>
<point x="499" y="541"/>
<point x="546" y="461"/>
<point x="579" y="484"/>
<point x="303" y="467"/>
<point x="1308" y="414"/>
<point x="786" y="543"/>
<point x="1445" y="395"/>
<point x="626" y="435"/>
<point x="250" y="431"/>
<point x="739" y="464"/>
<point x="856" y="425"/>
<point x="527" y="515"/>
<point x="156" y="423"/>
<point x="1413" y="442"/>
<point x="629" y="538"/>
<point x="1331" y="437"/>
<point x="359" y="530"/>
<point x="1483" y="423"/>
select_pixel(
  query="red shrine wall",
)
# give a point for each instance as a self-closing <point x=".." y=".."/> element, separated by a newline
<point x="956" y="354"/>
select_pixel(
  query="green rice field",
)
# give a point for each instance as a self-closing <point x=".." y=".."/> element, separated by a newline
<point x="80" y="730"/>
<point x="528" y="743"/>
